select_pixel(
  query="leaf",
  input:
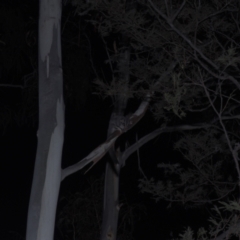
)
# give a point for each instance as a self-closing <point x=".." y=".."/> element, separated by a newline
<point x="187" y="235"/>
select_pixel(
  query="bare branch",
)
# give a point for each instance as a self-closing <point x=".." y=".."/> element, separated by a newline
<point x="219" y="114"/>
<point x="134" y="147"/>
<point x="167" y="8"/>
<point x="178" y="11"/>
<point x="195" y="48"/>
<point x="12" y="86"/>
<point x="98" y="153"/>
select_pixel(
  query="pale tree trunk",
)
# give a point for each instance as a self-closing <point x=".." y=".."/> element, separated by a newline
<point x="47" y="171"/>
<point x="111" y="188"/>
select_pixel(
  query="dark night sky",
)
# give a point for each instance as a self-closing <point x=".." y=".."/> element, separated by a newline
<point x="85" y="130"/>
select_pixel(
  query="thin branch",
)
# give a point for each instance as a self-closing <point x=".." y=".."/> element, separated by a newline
<point x="216" y="13"/>
<point x="178" y="11"/>
<point x="224" y="130"/>
<point x="134" y="147"/>
<point x="224" y="35"/>
<point x="195" y="48"/>
<point x="98" y="153"/>
<point x="12" y="86"/>
<point x="167" y="9"/>
<point x="139" y="163"/>
<point x="84" y="12"/>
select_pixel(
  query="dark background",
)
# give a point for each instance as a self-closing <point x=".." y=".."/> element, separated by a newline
<point x="87" y="117"/>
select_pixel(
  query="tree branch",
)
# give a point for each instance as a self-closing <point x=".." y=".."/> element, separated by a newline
<point x="102" y="149"/>
<point x="154" y="134"/>
<point x="12" y="86"/>
<point x="195" y="48"/>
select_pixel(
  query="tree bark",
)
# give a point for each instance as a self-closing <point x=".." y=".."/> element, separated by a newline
<point x="47" y="171"/>
<point x="111" y="187"/>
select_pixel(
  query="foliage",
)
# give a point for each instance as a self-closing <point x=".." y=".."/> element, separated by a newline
<point x="156" y="42"/>
<point x="221" y="226"/>
<point x="187" y="54"/>
<point x="80" y="214"/>
<point x="200" y="179"/>
<point x="200" y="39"/>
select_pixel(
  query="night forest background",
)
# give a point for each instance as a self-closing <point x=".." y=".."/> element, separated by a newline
<point x="144" y="213"/>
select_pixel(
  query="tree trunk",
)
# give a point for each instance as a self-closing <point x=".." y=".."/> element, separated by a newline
<point x="47" y="171"/>
<point x="111" y="205"/>
<point x="111" y="188"/>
